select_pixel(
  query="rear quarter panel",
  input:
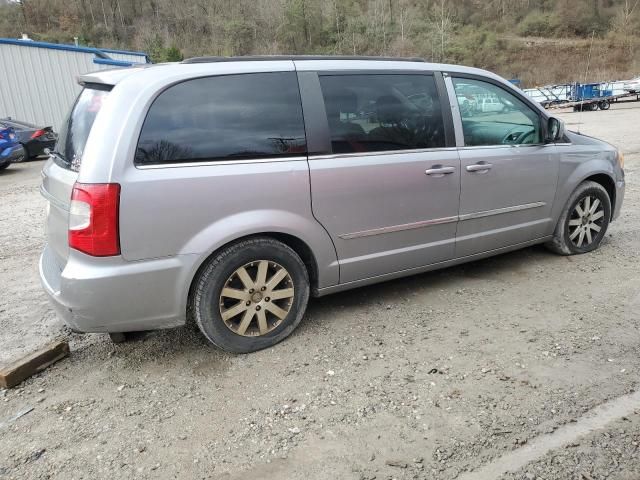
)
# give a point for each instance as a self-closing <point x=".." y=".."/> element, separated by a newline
<point x="198" y="209"/>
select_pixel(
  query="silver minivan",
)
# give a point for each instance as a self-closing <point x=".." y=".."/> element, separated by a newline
<point x="229" y="190"/>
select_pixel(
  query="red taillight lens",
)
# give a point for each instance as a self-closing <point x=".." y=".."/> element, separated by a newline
<point x="93" y="219"/>
<point x="38" y="133"/>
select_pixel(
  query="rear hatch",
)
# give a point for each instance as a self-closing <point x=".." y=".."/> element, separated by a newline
<point x="61" y="170"/>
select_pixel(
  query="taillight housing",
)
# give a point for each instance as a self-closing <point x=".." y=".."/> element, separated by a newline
<point x="94" y="219"/>
<point x="38" y="133"/>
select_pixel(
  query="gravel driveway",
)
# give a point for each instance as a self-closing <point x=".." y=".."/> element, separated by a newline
<point x="425" y="377"/>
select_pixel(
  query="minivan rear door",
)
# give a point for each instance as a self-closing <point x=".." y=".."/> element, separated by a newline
<point x="61" y="170"/>
<point x="384" y="183"/>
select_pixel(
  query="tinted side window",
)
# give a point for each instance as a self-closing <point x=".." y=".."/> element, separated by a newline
<point x="369" y="113"/>
<point x="231" y="117"/>
<point x="493" y="116"/>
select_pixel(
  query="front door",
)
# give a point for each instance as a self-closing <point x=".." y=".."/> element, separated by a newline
<point x="508" y="175"/>
<point x="388" y="192"/>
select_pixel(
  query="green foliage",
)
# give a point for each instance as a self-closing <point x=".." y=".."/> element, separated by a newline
<point x="173" y="54"/>
<point x="159" y="53"/>
<point x="538" y="24"/>
<point x="484" y="33"/>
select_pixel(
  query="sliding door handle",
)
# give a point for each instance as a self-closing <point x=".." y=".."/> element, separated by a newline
<point x="479" y="167"/>
<point x="439" y="171"/>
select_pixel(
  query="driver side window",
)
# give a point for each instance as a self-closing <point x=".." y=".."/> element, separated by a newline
<point x="493" y="116"/>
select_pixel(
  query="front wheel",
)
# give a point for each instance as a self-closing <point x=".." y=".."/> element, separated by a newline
<point x="584" y="221"/>
<point x="251" y="295"/>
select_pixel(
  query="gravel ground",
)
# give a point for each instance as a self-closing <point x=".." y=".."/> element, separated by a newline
<point x="611" y="453"/>
<point x="425" y="377"/>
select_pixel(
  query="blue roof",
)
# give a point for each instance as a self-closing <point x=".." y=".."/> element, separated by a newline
<point x="99" y="53"/>
<point x="126" y="52"/>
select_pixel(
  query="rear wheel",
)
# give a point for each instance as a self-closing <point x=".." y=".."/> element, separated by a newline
<point x="584" y="221"/>
<point x="4" y="165"/>
<point x="251" y="295"/>
<point x="604" y="105"/>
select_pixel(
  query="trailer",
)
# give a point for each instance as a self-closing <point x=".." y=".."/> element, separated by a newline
<point x="549" y="95"/>
<point x="595" y="103"/>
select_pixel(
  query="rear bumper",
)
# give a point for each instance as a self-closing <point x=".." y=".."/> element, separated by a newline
<point x="12" y="154"/>
<point x="112" y="295"/>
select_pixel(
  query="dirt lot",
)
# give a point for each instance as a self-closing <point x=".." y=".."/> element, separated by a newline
<point x="429" y="377"/>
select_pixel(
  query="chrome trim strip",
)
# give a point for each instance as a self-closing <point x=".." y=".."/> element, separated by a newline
<point x="383" y="152"/>
<point x="53" y="199"/>
<point x="221" y="162"/>
<point x="515" y="145"/>
<point x="399" y="228"/>
<point x="439" y="221"/>
<point x="498" y="211"/>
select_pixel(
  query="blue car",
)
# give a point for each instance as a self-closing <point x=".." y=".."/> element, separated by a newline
<point x="10" y="148"/>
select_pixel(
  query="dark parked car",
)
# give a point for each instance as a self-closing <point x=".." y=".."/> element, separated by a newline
<point x="33" y="138"/>
<point x="10" y="149"/>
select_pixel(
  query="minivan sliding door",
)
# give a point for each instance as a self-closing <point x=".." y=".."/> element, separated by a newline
<point x="384" y="182"/>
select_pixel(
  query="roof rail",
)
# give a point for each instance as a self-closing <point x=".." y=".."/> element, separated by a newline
<point x="254" y="58"/>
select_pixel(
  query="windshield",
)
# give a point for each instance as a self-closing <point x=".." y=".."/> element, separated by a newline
<point x="76" y="128"/>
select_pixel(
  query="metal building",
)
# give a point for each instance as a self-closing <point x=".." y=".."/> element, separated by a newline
<point x="38" y="79"/>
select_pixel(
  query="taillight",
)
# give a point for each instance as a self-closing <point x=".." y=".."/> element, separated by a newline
<point x="93" y="219"/>
<point x="38" y="133"/>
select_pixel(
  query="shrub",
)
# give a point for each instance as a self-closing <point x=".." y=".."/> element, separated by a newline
<point x="538" y="24"/>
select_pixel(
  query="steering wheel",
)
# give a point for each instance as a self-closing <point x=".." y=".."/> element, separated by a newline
<point x="517" y="135"/>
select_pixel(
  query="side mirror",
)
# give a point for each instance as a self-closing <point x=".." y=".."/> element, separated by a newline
<point x="555" y="130"/>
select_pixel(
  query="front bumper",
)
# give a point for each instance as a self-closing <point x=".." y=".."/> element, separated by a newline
<point x="112" y="295"/>
<point x="620" y="187"/>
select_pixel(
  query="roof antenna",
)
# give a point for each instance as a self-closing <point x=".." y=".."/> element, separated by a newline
<point x="586" y="73"/>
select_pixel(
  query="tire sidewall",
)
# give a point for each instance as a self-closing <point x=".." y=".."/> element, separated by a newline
<point x="220" y="268"/>
<point x="601" y="194"/>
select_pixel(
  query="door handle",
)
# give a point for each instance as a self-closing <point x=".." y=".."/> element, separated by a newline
<point x="479" y="167"/>
<point x="439" y="171"/>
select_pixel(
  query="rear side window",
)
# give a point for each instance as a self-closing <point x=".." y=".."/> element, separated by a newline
<point x="75" y="130"/>
<point x="232" y="117"/>
<point x="369" y="113"/>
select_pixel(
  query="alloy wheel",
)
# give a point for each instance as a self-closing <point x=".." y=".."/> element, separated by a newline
<point x="586" y="221"/>
<point x="256" y="298"/>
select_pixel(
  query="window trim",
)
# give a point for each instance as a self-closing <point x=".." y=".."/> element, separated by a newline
<point x="220" y="160"/>
<point x="542" y="117"/>
<point x="316" y="106"/>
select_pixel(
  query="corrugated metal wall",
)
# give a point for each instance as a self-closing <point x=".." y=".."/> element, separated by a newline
<point x="38" y="85"/>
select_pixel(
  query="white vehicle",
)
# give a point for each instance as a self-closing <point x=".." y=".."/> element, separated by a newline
<point x="490" y="104"/>
<point x="632" y="86"/>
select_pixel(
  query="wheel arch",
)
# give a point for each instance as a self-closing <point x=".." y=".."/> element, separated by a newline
<point x="302" y="249"/>
<point x="609" y="185"/>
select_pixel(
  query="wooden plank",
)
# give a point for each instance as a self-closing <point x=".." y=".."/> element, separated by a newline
<point x="18" y="371"/>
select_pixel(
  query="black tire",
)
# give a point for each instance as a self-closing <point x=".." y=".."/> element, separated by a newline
<point x="118" y="337"/>
<point x="604" y="105"/>
<point x="27" y="155"/>
<point x="4" y="165"/>
<point x="205" y="299"/>
<point x="561" y="243"/>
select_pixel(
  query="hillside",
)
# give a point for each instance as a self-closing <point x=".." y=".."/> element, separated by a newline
<point x="539" y="41"/>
